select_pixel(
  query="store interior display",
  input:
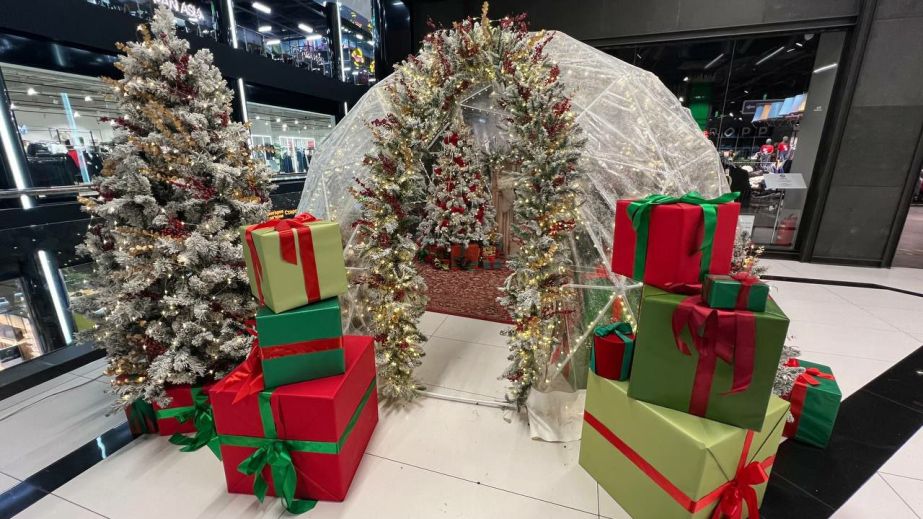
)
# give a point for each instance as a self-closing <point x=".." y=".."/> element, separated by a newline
<point x="294" y="33"/>
<point x="198" y="17"/>
<point x="286" y="139"/>
<point x="18" y="340"/>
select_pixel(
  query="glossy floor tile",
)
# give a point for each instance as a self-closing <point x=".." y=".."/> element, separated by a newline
<point x="430" y="322"/>
<point x="908" y="461"/>
<point x="875" y="499"/>
<point x="910" y="491"/>
<point x="7" y="482"/>
<point x="38" y="431"/>
<point x="53" y="507"/>
<point x="91" y="370"/>
<point x="463" y="366"/>
<point x="472" y="330"/>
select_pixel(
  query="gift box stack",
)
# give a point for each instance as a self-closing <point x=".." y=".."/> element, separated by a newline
<point x="294" y="419"/>
<point x="680" y="420"/>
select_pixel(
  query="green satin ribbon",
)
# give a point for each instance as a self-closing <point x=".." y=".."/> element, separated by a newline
<point x="276" y="453"/>
<point x="621" y="329"/>
<point x="141" y="417"/>
<point x="200" y="412"/>
<point x="639" y="212"/>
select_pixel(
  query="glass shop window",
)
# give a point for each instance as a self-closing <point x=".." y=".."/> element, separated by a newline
<point x="76" y="280"/>
<point x="763" y="103"/>
<point x="285" y="138"/>
<point x="18" y="339"/>
<point x="199" y="18"/>
<point x="63" y="123"/>
<point x="358" y="47"/>
<point x="291" y="32"/>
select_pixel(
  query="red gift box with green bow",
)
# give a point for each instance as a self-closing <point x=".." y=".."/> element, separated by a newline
<point x="189" y="412"/>
<point x="668" y="241"/>
<point x="613" y="347"/>
<point x="815" y="400"/>
<point x="302" y="442"/>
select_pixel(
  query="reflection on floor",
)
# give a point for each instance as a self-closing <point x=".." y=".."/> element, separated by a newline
<point x="440" y="458"/>
<point x="910" y="248"/>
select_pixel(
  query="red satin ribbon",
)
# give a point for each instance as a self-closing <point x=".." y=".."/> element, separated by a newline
<point x="288" y="251"/>
<point x="729" y="335"/>
<point x="301" y="348"/>
<point x="800" y="393"/>
<point x="746" y="281"/>
<point x="249" y="374"/>
<point x="731" y="496"/>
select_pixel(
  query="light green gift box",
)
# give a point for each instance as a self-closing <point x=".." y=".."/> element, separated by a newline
<point x="294" y="262"/>
<point x="661" y="463"/>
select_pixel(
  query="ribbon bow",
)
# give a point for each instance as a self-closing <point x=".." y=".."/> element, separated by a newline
<point x="716" y="334"/>
<point x="740" y="491"/>
<point x="746" y="280"/>
<point x="619" y="328"/>
<point x="639" y="212"/>
<point x="810" y="375"/>
<point x="276" y="454"/>
<point x="201" y="414"/>
<point x="286" y="229"/>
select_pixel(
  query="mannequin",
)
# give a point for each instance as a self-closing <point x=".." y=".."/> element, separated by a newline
<point x="784" y="149"/>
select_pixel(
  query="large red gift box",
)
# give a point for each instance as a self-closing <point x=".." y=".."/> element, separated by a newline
<point x="323" y="424"/>
<point x="674" y="241"/>
<point x="178" y="416"/>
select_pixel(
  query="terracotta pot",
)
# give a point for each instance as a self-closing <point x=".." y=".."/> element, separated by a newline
<point x="456" y="255"/>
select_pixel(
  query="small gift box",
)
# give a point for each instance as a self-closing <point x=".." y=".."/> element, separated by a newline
<point x="294" y="262"/>
<point x="141" y="418"/>
<point x="673" y="241"/>
<point x="740" y="291"/>
<point x="613" y="347"/>
<point x="300" y="344"/>
<point x="189" y="411"/>
<point x="302" y="442"/>
<point x="717" y="364"/>
<point x="815" y="400"/>
<point x="660" y="463"/>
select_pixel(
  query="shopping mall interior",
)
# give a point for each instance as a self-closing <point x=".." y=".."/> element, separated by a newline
<point x="445" y="258"/>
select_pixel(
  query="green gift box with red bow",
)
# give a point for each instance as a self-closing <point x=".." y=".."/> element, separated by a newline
<point x="293" y="262"/>
<point x="740" y="291"/>
<point x="301" y="442"/>
<point x="300" y="344"/>
<point x="717" y="364"/>
<point x="815" y="400"/>
<point x="660" y="463"/>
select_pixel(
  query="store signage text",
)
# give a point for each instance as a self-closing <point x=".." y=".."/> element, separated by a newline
<point x="745" y="131"/>
<point x="184" y="8"/>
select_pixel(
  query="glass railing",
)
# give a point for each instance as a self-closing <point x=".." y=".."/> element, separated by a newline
<point x="192" y="17"/>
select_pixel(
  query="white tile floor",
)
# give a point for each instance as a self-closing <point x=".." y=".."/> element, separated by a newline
<point x="437" y="458"/>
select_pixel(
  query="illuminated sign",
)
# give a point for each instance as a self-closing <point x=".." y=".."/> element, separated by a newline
<point x="184" y="8"/>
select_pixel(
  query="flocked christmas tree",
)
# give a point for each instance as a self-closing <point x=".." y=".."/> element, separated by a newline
<point x="170" y="286"/>
<point x="459" y="209"/>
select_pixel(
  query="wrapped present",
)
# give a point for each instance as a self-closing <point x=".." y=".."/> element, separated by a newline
<point x="815" y="400"/>
<point x="300" y="344"/>
<point x="669" y="241"/>
<point x="294" y="262"/>
<point x="189" y="412"/>
<point x="663" y="464"/>
<point x="141" y="418"/>
<point x="740" y="291"/>
<point x="613" y="347"/>
<point x="302" y="442"/>
<point x="718" y="364"/>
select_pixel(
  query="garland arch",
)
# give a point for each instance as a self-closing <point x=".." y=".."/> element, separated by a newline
<point x="544" y="147"/>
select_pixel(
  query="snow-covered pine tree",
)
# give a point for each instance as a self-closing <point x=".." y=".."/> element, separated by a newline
<point x="170" y="288"/>
<point x="460" y="209"/>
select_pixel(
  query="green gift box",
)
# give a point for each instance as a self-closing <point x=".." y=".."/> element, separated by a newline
<point x="815" y="400"/>
<point x="301" y="344"/>
<point x="661" y="463"/>
<point x="718" y="364"/>
<point x="740" y="291"/>
<point x="294" y="262"/>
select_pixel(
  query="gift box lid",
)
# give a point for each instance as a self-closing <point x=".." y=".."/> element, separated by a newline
<point x="695" y="454"/>
<point x="315" y="410"/>
<point x="320" y="320"/>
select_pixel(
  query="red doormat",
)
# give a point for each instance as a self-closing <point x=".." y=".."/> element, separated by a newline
<point x="466" y="293"/>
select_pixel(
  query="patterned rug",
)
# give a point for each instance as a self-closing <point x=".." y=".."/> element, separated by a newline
<point x="466" y="293"/>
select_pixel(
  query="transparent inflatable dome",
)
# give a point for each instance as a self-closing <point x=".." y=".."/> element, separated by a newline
<point x="639" y="140"/>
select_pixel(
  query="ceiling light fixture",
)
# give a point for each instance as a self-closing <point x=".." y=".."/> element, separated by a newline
<point x="12" y="106"/>
<point x="264" y="28"/>
<point x="770" y="55"/>
<point x="825" y="68"/>
<point x="799" y="44"/>
<point x="31" y="91"/>
<point x="88" y="99"/>
<point x="686" y="79"/>
<point x="263" y="8"/>
<point x="715" y="61"/>
<point x="314" y="37"/>
<point x="305" y="28"/>
<point x="682" y="99"/>
<point x="278" y="119"/>
<point x="274" y="41"/>
<point x="360" y="37"/>
<point x="76" y="114"/>
<point x="257" y="118"/>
